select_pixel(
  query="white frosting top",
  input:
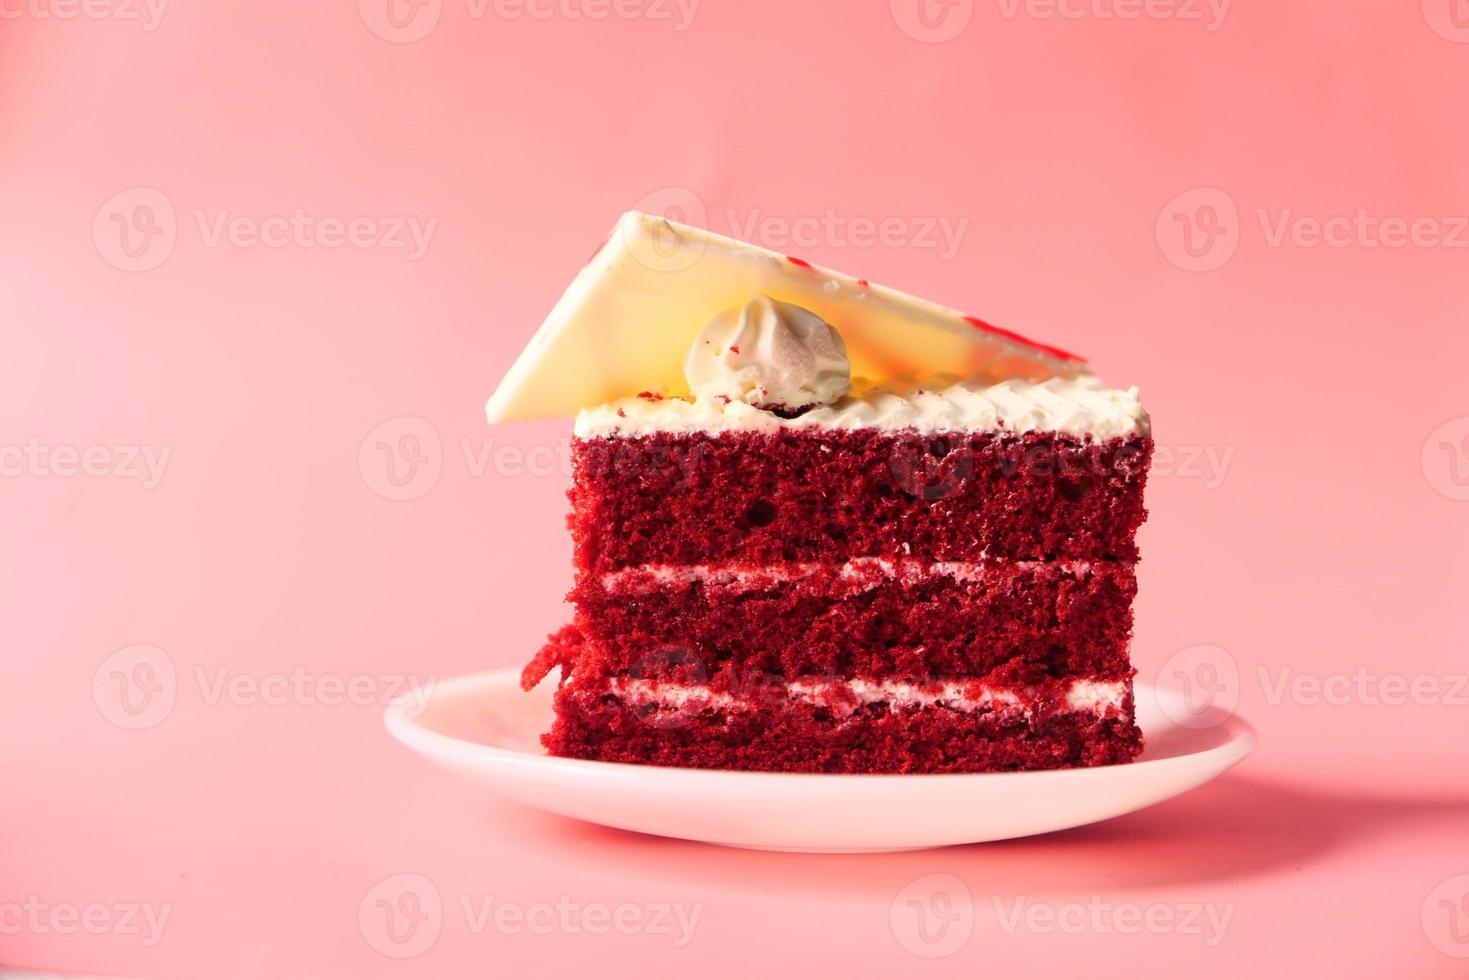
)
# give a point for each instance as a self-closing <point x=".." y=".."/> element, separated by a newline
<point x="1080" y="406"/>
<point x="769" y="353"/>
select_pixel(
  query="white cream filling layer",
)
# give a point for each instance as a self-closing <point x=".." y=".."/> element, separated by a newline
<point x="1080" y="406"/>
<point x="1091" y="696"/>
<point x="855" y="571"/>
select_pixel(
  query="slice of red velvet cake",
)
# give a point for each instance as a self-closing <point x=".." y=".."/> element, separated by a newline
<point x="781" y="569"/>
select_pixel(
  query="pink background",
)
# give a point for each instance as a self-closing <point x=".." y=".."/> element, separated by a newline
<point x="1326" y="545"/>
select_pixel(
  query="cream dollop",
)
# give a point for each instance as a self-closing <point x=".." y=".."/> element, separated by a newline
<point x="770" y="354"/>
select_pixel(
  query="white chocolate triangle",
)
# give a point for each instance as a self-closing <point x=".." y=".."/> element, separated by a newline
<point x="626" y="321"/>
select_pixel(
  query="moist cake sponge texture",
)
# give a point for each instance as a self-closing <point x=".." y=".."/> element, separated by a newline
<point x="851" y="600"/>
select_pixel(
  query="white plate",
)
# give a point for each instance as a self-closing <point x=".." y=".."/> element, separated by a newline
<point x="486" y="728"/>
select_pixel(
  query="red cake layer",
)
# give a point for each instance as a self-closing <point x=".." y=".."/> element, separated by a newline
<point x="851" y="601"/>
<point x="799" y="495"/>
<point x="793" y="736"/>
<point x="1017" y="621"/>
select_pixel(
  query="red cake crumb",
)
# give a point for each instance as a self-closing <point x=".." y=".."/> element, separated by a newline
<point x="756" y="497"/>
<point x="747" y="600"/>
<point x="561" y="650"/>
<point x="1022" y="623"/>
<point x="794" y="737"/>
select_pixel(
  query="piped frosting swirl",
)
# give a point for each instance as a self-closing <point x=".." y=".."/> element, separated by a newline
<point x="771" y="355"/>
